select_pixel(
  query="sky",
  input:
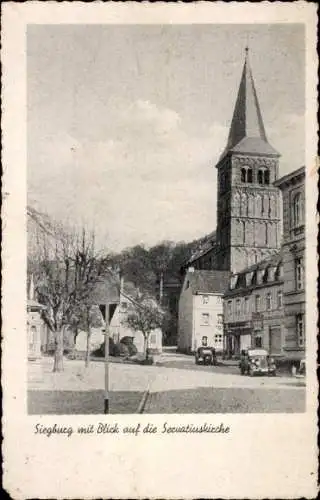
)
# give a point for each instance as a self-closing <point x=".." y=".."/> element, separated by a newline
<point x="126" y="123"/>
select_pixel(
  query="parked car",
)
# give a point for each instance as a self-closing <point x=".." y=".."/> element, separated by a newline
<point x="302" y="368"/>
<point x="257" y="362"/>
<point x="206" y="356"/>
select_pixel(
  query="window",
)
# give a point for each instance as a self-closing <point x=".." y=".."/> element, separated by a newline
<point x="205" y="319"/>
<point x="205" y="299"/>
<point x="279" y="296"/>
<point x="249" y="175"/>
<point x="260" y="177"/>
<point x="297" y="210"/>
<point x="266" y="177"/>
<point x="218" y="339"/>
<point x="238" y="307"/>
<point x="204" y="341"/>
<point x="258" y="341"/>
<point x="300" y="330"/>
<point x="219" y="321"/>
<point x="269" y="302"/>
<point x="299" y="274"/>
<point x="230" y="307"/>
<point x="246" y="305"/>
<point x="258" y="303"/>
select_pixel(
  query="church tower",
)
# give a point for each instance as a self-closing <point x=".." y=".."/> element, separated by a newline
<point x="248" y="204"/>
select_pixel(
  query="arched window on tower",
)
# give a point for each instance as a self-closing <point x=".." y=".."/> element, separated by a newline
<point x="260" y="177"/>
<point x="249" y="175"/>
<point x="243" y="175"/>
<point x="266" y="176"/>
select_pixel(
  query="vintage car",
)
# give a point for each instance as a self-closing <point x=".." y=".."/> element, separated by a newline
<point x="257" y="362"/>
<point x="206" y="356"/>
<point x="302" y="368"/>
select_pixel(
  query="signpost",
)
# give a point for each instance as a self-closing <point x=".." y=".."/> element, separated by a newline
<point x="104" y="309"/>
<point x="106" y="362"/>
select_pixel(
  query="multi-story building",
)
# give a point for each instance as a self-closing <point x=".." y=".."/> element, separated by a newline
<point x="253" y="308"/>
<point x="265" y="303"/>
<point x="201" y="310"/>
<point x="293" y="193"/>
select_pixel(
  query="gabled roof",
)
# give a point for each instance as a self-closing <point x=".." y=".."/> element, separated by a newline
<point x="247" y="133"/>
<point x="208" y="281"/>
<point x="298" y="174"/>
<point x="207" y="244"/>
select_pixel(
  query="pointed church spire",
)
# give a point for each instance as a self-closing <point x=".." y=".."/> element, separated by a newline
<point x="247" y="132"/>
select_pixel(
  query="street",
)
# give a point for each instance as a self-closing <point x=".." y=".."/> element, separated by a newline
<point x="174" y="385"/>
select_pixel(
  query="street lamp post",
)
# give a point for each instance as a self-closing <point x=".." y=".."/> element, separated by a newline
<point x="106" y="362"/>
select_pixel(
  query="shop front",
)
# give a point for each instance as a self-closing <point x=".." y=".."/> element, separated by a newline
<point x="237" y="338"/>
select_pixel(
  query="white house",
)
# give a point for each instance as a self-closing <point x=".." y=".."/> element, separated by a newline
<point x="201" y="309"/>
<point x="120" y="300"/>
<point x="118" y="328"/>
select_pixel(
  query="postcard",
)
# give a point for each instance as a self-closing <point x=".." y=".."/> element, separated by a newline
<point x="159" y="250"/>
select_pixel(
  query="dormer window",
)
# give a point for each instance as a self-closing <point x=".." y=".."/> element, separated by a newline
<point x="271" y="273"/>
<point x="233" y="281"/>
<point x="249" y="277"/>
<point x="260" y="274"/>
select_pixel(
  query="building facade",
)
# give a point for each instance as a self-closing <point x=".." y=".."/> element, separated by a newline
<point x="254" y="309"/>
<point x="293" y="250"/>
<point x="265" y="303"/>
<point x="201" y="310"/>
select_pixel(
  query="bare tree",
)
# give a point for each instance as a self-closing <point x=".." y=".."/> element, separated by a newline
<point x="145" y="315"/>
<point x="66" y="273"/>
<point x="86" y="317"/>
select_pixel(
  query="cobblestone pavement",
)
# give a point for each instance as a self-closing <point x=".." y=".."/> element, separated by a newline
<point x="81" y="402"/>
<point x="171" y="389"/>
<point x="227" y="400"/>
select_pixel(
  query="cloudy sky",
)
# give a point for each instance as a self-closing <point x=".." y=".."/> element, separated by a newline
<point x="125" y="123"/>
